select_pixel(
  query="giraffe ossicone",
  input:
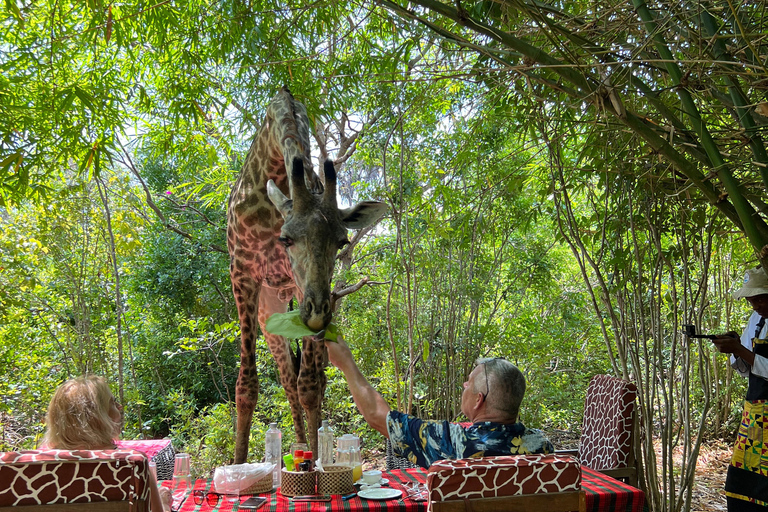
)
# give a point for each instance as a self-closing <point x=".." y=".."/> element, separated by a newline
<point x="284" y="231"/>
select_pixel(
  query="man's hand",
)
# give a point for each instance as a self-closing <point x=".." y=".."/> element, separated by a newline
<point x="339" y="353"/>
<point x="728" y="343"/>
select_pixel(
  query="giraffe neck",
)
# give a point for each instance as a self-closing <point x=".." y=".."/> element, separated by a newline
<point x="283" y="136"/>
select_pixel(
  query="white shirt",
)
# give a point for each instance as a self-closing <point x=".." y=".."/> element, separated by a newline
<point x="760" y="367"/>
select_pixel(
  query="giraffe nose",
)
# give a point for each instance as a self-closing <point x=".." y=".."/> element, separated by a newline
<point x="317" y="316"/>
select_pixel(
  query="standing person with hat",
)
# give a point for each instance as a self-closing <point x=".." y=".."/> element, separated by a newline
<point x="746" y="486"/>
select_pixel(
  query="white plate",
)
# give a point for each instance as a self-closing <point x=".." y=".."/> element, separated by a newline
<point x="379" y="493"/>
<point x="383" y="481"/>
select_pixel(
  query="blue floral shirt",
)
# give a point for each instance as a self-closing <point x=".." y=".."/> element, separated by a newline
<point x="426" y="441"/>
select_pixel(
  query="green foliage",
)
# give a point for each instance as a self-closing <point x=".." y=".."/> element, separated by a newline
<point x="529" y="217"/>
<point x="174" y="275"/>
<point x="213" y="430"/>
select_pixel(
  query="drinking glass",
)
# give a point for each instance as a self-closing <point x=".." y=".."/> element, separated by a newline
<point x="182" y="477"/>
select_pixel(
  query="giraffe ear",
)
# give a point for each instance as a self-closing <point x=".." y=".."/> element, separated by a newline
<point x="282" y="203"/>
<point x="363" y="214"/>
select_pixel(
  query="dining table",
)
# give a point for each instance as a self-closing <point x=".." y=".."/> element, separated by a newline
<point x="603" y="494"/>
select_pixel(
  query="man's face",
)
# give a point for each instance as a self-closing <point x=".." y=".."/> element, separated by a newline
<point x="469" y="395"/>
<point x="760" y="304"/>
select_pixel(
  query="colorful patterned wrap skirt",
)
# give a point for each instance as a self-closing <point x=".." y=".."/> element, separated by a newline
<point x="748" y="473"/>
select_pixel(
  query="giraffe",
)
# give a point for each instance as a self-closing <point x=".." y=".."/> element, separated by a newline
<point x="280" y="247"/>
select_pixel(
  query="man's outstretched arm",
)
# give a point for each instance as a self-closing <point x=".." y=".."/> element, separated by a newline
<point x="369" y="402"/>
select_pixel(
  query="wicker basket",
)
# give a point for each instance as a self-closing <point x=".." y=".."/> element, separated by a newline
<point x="335" y="480"/>
<point x="260" y="487"/>
<point x="298" y="483"/>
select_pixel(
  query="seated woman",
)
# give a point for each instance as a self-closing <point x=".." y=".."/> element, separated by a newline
<point x="84" y="415"/>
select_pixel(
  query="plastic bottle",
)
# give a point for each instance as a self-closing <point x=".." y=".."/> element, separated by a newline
<point x="298" y="458"/>
<point x="325" y="444"/>
<point x="273" y="451"/>
<point x="308" y="466"/>
<point x="288" y="459"/>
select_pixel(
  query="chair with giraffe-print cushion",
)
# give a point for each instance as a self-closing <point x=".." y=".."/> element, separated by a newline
<point x="510" y="483"/>
<point x="74" y="481"/>
<point x="607" y="442"/>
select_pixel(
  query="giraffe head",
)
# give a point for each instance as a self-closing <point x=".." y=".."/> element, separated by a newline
<point x="314" y="231"/>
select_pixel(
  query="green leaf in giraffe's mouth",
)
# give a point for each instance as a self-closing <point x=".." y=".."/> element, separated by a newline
<point x="289" y="325"/>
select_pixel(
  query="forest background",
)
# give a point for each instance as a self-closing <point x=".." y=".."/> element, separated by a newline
<point x="568" y="184"/>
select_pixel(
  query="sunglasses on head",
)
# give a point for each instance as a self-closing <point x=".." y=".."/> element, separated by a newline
<point x="485" y="370"/>
<point x="211" y="498"/>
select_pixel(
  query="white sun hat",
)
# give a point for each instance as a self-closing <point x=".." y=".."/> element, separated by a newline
<point x="755" y="283"/>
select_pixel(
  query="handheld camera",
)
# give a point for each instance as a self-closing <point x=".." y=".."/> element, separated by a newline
<point x="690" y="331"/>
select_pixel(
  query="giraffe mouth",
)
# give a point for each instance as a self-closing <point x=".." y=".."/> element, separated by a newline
<point x="316" y="323"/>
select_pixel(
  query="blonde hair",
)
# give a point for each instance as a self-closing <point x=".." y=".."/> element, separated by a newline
<point x="78" y="416"/>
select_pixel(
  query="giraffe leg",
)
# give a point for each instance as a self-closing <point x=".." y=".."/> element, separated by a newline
<point x="311" y="384"/>
<point x="285" y="360"/>
<point x="247" y="389"/>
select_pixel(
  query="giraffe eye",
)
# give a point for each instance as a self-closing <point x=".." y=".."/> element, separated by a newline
<point x="287" y="242"/>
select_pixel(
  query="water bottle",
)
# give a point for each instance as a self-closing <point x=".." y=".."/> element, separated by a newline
<point x="273" y="452"/>
<point x="325" y="444"/>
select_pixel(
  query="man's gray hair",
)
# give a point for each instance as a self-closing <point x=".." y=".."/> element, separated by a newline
<point x="506" y="386"/>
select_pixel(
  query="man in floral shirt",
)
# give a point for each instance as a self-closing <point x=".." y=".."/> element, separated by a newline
<point x="491" y="400"/>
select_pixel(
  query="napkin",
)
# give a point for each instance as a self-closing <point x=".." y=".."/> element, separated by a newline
<point x="238" y="477"/>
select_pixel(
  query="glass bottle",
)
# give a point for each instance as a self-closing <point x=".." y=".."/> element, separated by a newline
<point x="325" y="444"/>
<point x="273" y="452"/>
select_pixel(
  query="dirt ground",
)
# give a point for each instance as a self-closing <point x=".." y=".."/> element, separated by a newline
<point x="708" y="493"/>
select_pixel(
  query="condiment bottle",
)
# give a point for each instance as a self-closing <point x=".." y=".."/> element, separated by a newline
<point x="288" y="459"/>
<point x="298" y="458"/>
<point x="308" y="460"/>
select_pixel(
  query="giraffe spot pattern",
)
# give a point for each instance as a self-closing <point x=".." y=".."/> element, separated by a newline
<point x="492" y="477"/>
<point x="608" y="415"/>
<point x="41" y="477"/>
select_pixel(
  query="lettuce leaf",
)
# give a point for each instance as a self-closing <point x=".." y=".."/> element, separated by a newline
<point x="289" y="325"/>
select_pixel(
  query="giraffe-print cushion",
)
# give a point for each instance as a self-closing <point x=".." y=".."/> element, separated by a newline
<point x="510" y="475"/>
<point x="608" y="415"/>
<point x="42" y="477"/>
